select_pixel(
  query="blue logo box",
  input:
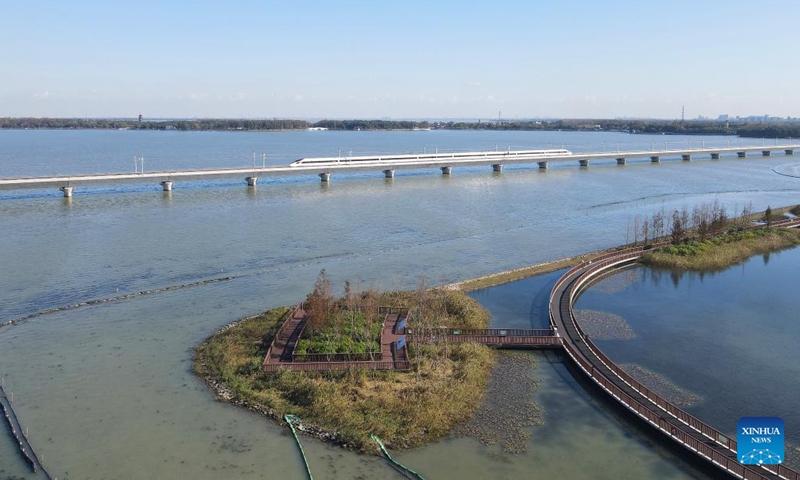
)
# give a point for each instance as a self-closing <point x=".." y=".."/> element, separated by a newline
<point x="759" y="440"/>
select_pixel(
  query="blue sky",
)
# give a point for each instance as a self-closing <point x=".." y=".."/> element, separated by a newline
<point x="409" y="59"/>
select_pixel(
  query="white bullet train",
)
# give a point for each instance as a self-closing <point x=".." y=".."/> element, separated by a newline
<point x="375" y="160"/>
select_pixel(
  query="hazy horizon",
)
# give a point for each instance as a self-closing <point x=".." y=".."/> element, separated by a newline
<point x="464" y="60"/>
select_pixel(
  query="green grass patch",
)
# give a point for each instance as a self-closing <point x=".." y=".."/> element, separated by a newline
<point x="405" y="409"/>
<point x="723" y="251"/>
<point x="347" y="332"/>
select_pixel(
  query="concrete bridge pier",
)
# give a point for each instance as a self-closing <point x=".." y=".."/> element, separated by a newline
<point x="655" y="159"/>
<point x="715" y="156"/>
<point x="67" y="191"/>
<point x="584" y="162"/>
<point x="789" y="151"/>
<point x="388" y="173"/>
<point x="543" y="165"/>
<point x="325" y="177"/>
<point x="167" y="185"/>
<point x="766" y="153"/>
<point x="251" y="181"/>
<point x="622" y="161"/>
<point x="687" y="157"/>
<point x="447" y="170"/>
<point x="497" y="167"/>
<point x="741" y="154"/>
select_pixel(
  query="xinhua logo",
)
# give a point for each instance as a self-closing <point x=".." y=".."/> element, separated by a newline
<point x="759" y="440"/>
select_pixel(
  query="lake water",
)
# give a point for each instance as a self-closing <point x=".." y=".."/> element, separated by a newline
<point x="729" y="337"/>
<point x="107" y="390"/>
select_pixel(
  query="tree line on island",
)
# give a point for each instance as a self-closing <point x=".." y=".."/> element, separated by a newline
<point x="783" y="129"/>
<point x="701" y="222"/>
<point x="706" y="238"/>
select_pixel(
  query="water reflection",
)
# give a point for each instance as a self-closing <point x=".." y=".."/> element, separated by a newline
<point x="724" y="335"/>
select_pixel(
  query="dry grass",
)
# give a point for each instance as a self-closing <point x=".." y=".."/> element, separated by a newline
<point x="405" y="409"/>
<point x="722" y="252"/>
<point x="520" y="273"/>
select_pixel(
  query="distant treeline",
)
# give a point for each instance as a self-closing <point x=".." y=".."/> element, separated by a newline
<point x="670" y="127"/>
<point x="371" y="125"/>
<point x="201" y="124"/>
<point x="786" y="130"/>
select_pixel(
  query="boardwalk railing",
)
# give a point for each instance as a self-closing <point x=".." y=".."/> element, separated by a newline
<point x="607" y="262"/>
<point x="338" y="366"/>
<point x="340" y="361"/>
<point x="335" y="357"/>
<point x="510" y="332"/>
<point x="281" y="331"/>
<point x="402" y="311"/>
<point x="507" y="338"/>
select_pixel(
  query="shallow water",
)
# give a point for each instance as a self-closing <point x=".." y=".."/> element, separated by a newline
<point x="729" y="336"/>
<point x="106" y="391"/>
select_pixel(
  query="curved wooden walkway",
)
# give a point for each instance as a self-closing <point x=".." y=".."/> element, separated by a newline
<point x="695" y="435"/>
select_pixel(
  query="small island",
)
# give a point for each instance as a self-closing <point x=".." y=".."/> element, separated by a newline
<point x="442" y="388"/>
<point x="708" y="240"/>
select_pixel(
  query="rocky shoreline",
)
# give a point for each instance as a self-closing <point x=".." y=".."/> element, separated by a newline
<point x="224" y="394"/>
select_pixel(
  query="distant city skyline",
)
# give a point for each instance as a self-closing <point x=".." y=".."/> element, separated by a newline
<point x="510" y="59"/>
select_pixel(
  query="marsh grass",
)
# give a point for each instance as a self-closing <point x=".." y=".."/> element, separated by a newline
<point x="405" y="409"/>
<point x="721" y="252"/>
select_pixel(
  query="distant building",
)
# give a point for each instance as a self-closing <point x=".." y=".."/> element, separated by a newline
<point x="140" y="118"/>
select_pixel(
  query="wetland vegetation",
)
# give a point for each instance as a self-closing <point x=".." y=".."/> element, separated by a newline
<point x="405" y="409"/>
<point x="707" y="239"/>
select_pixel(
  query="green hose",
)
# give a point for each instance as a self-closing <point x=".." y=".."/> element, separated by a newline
<point x="407" y="472"/>
<point x="291" y="420"/>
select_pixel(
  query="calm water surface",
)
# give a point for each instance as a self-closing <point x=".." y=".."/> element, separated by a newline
<point x="107" y="390"/>
<point x="730" y="337"/>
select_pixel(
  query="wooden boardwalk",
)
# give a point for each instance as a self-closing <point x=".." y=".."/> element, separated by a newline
<point x="676" y="425"/>
<point x="286" y="339"/>
<point x="279" y="354"/>
<point x="494" y="337"/>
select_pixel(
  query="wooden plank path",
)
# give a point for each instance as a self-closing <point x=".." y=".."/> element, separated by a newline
<point x="494" y="337"/>
<point x="690" y="432"/>
<point x="286" y="338"/>
<point x="279" y="354"/>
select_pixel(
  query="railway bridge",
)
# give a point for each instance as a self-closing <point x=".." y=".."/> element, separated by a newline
<point x="325" y="167"/>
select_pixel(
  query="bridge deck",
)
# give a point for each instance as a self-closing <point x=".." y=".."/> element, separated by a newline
<point x="351" y="164"/>
<point x="676" y="424"/>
